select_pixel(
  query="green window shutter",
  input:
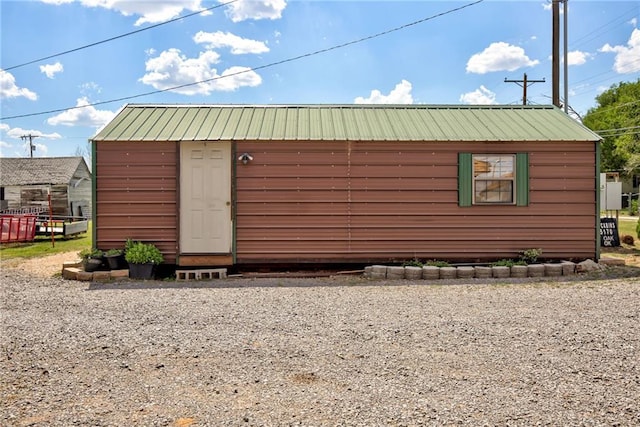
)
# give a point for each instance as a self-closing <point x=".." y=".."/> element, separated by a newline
<point x="522" y="179"/>
<point x="465" y="179"/>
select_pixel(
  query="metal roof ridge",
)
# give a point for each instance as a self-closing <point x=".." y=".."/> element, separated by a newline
<point x="354" y="106"/>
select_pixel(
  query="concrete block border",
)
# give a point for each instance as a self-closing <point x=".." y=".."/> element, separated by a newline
<point x="430" y="272"/>
<point x="76" y="273"/>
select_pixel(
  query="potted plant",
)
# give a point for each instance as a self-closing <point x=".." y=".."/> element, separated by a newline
<point x="92" y="259"/>
<point x="142" y="258"/>
<point x="113" y="257"/>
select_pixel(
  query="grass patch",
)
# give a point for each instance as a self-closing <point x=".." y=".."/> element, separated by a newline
<point x="628" y="227"/>
<point x="41" y="246"/>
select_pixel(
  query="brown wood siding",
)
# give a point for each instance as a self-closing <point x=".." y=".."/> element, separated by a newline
<point x="367" y="202"/>
<point x="136" y="195"/>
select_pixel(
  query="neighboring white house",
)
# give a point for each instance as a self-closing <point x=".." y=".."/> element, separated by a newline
<point x="27" y="183"/>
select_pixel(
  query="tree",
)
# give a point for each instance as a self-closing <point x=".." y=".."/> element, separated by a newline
<point x="85" y="152"/>
<point x="616" y="118"/>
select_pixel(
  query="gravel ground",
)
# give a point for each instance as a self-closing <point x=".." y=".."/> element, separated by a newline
<point x="317" y="352"/>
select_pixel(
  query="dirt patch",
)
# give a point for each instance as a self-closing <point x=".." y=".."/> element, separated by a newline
<point x="41" y="267"/>
<point x="630" y="254"/>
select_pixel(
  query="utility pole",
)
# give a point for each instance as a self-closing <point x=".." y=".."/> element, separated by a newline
<point x="565" y="4"/>
<point x="524" y="83"/>
<point x="555" y="53"/>
<point x="32" y="147"/>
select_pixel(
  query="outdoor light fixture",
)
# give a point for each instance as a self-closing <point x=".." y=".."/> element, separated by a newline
<point x="245" y="158"/>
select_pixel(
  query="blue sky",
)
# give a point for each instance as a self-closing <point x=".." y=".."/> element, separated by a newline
<point x="446" y="57"/>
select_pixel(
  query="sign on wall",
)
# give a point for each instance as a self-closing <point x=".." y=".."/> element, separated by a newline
<point x="609" y="232"/>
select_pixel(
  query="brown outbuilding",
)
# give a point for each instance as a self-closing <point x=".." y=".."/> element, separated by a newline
<point x="238" y="184"/>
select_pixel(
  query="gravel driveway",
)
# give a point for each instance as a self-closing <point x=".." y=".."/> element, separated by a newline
<point x="318" y="352"/>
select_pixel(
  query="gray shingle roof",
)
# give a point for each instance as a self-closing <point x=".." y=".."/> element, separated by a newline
<point x="38" y="170"/>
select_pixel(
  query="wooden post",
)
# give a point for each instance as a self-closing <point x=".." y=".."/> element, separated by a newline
<point x="53" y="239"/>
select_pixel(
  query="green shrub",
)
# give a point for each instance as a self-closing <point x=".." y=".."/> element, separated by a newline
<point x="530" y="256"/>
<point x="507" y="263"/>
<point x="436" y="263"/>
<point x="90" y="253"/>
<point x="638" y="228"/>
<point x="143" y="253"/>
<point x="634" y="207"/>
<point x="128" y="244"/>
<point x="113" y="252"/>
<point x="413" y="263"/>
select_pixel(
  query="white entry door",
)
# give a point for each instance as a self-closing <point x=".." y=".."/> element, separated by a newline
<point x="205" y="197"/>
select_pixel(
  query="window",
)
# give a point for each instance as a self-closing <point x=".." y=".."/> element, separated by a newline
<point x="493" y="179"/>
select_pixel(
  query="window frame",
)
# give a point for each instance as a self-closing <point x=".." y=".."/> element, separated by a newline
<point x="466" y="180"/>
<point x="475" y="179"/>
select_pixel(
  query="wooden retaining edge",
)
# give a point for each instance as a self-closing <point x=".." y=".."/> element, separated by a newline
<point x="77" y="273"/>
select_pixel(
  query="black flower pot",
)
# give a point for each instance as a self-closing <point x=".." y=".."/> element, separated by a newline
<point x="91" y="264"/>
<point x="141" y="271"/>
<point x="113" y="261"/>
<point x="116" y="262"/>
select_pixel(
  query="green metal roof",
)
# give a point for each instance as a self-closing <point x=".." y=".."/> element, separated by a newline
<point x="139" y="122"/>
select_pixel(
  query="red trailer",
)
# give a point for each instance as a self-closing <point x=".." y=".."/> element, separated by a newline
<point x="17" y="228"/>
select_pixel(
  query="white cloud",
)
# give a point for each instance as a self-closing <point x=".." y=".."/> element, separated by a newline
<point x="154" y="11"/>
<point x="90" y="87"/>
<point x="149" y="11"/>
<point x="172" y="69"/>
<point x="627" y="57"/>
<point x="9" y="89"/>
<point x="549" y="6"/>
<point x="634" y="22"/>
<point x="235" y="77"/>
<point x="242" y="10"/>
<point x="577" y="57"/>
<point x="4" y="144"/>
<point x="499" y="56"/>
<point x="480" y="96"/>
<point x="401" y="94"/>
<point x="50" y="70"/>
<point x="85" y="115"/>
<point x="16" y="133"/>
<point x="237" y="44"/>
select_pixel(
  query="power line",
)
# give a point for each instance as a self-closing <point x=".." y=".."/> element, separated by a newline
<point x="601" y="29"/>
<point x="261" y="67"/>
<point x="613" y="107"/>
<point x="616" y="130"/>
<point x="119" y="36"/>
<point x="615" y="135"/>
<point x="604" y="72"/>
